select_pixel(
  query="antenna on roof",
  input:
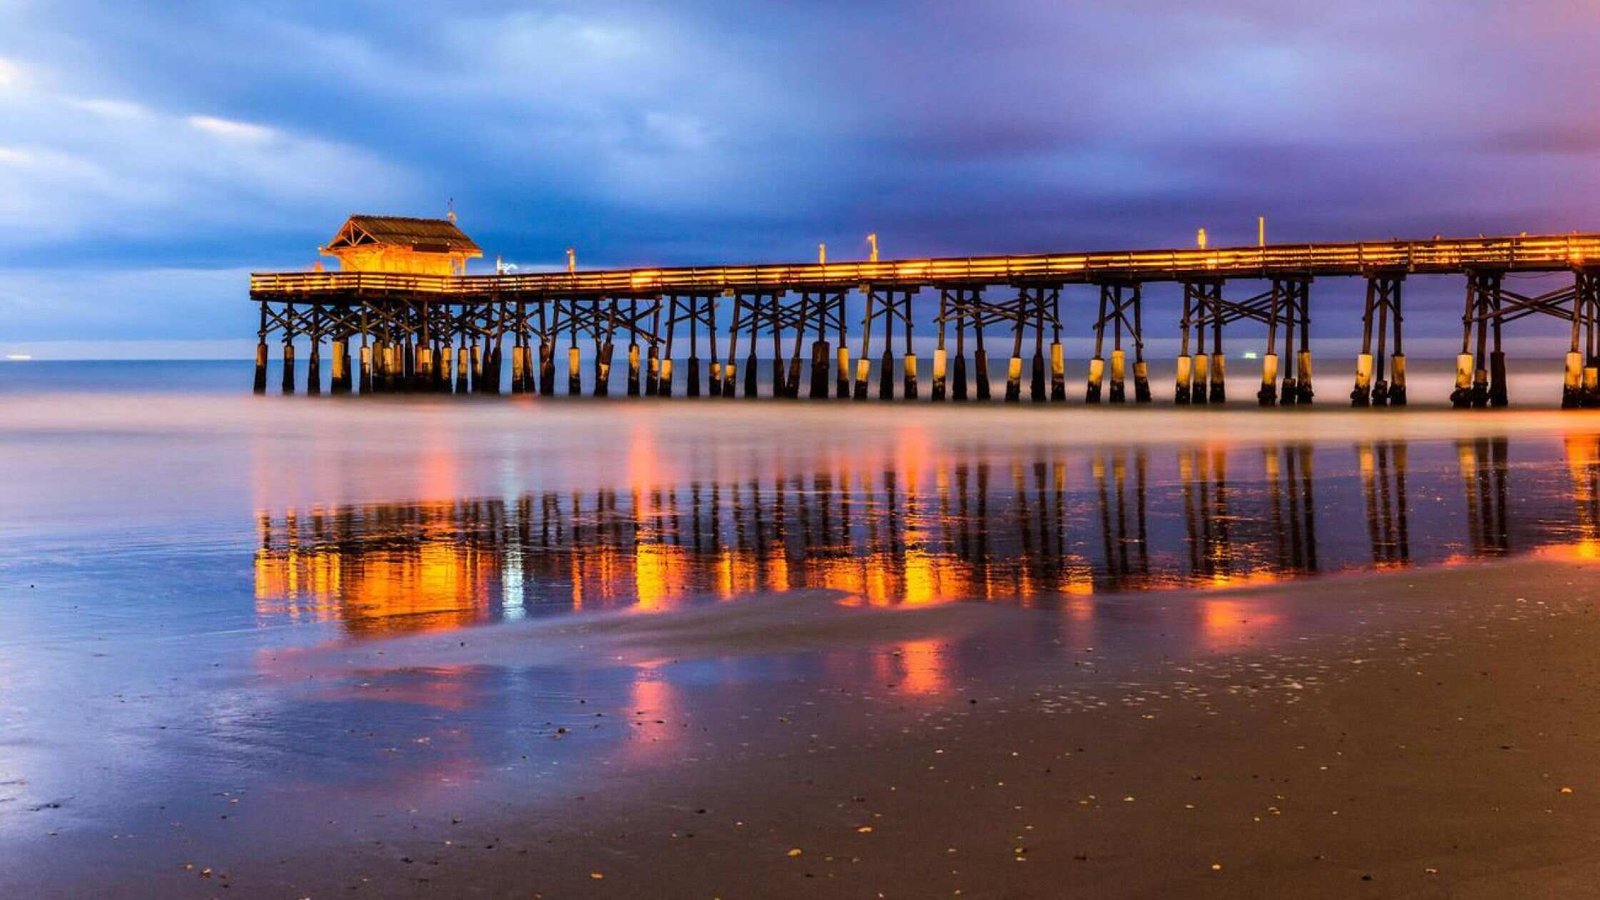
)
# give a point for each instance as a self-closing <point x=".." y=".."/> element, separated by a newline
<point x="451" y="214"/>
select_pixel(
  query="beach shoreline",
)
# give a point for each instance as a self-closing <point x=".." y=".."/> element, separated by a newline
<point x="1430" y="740"/>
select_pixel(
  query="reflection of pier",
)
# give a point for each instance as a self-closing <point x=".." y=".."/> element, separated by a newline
<point x="1383" y="482"/>
<point x="1583" y="463"/>
<point x="1483" y="475"/>
<point x="1123" y="523"/>
<point x="1032" y="531"/>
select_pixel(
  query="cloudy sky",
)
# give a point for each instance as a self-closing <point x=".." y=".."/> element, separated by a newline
<point x="151" y="153"/>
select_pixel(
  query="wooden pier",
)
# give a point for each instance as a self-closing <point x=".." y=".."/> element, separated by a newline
<point x="424" y="326"/>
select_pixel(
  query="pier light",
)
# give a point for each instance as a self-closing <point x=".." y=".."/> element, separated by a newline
<point x="822" y="254"/>
<point x="572" y="260"/>
<point x="1261" y="231"/>
<point x="1200" y="239"/>
<point x="872" y="244"/>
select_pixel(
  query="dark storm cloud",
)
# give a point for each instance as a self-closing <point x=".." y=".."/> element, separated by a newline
<point x="220" y="135"/>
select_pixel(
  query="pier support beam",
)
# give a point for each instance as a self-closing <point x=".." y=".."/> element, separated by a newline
<point x="863" y="366"/>
<point x="260" y="385"/>
<point x="1480" y="375"/>
<point x="1382" y="304"/>
<point x="652" y="373"/>
<point x="1032" y="306"/>
<point x="605" y="351"/>
<point x="341" y="365"/>
<point x="1581" y="380"/>
<point x="1058" y="354"/>
<point x="314" y="367"/>
<point x="1199" y="382"/>
<point x="288" y="365"/>
<point x="261" y="368"/>
<point x="1120" y="307"/>
<point x="287" y="380"/>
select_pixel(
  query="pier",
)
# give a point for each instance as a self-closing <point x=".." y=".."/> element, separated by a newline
<point x="422" y="325"/>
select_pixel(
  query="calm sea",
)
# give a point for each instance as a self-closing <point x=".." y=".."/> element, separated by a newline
<point x="169" y="542"/>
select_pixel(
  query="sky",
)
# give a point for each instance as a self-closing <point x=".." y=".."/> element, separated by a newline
<point x="152" y="154"/>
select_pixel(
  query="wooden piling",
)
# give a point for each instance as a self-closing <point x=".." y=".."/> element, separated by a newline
<point x="715" y="374"/>
<point x="1119" y="358"/>
<point x="1361" y="394"/>
<point x="1141" y="369"/>
<point x="1200" y="387"/>
<point x="260" y="386"/>
<point x="863" y="366"/>
<point x="980" y="364"/>
<point x="1289" y="391"/>
<point x="1097" y="363"/>
<point x="692" y="380"/>
<point x="1219" y="359"/>
<point x="661" y="360"/>
<point x="314" y="368"/>
<point x="288" y="366"/>
<point x="886" y="363"/>
<point x="341" y="365"/>
<point x="1498" y="394"/>
<point x="909" y="357"/>
<point x="602" y="367"/>
<point x="958" y="390"/>
<point x="425" y="380"/>
<point x="652" y="371"/>
<point x="547" y="367"/>
<point x="1180" y="393"/>
<point x="1014" y="363"/>
<point x="547" y="351"/>
<point x="1058" y="356"/>
<point x="730" y="369"/>
<point x="841" y="368"/>
<point x="752" y="381"/>
<point x="821" y="359"/>
<point x="1036" y="384"/>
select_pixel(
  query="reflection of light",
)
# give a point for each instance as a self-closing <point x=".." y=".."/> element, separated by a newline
<point x="652" y="698"/>
<point x="922" y="665"/>
<point x="435" y="582"/>
<point x="1227" y="622"/>
<point x="657" y="574"/>
<point x="512" y="603"/>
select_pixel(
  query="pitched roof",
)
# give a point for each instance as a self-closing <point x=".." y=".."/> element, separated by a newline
<point x="423" y="235"/>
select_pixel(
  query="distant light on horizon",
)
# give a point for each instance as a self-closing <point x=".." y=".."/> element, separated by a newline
<point x="18" y="357"/>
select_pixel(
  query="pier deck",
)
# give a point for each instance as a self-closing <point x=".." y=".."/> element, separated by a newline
<point x="438" y="332"/>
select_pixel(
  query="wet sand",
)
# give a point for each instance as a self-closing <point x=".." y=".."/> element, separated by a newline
<point x="1436" y="736"/>
<point x="288" y="649"/>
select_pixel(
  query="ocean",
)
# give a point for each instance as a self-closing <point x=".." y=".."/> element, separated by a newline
<point x="184" y="567"/>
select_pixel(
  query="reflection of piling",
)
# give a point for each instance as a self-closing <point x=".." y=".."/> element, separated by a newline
<point x="1384" y="487"/>
<point x="1484" y="471"/>
<point x="1127" y="555"/>
<point x="1583" y="465"/>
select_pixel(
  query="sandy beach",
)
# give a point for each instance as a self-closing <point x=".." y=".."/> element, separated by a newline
<point x="1434" y="738"/>
<point x="570" y="652"/>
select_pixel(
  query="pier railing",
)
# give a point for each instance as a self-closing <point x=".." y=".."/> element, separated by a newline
<point x="1452" y="255"/>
